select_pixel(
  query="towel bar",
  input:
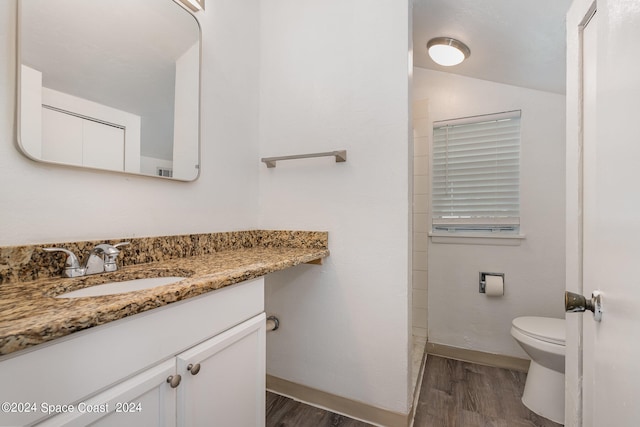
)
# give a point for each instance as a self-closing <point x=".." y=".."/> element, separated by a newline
<point x="340" y="155"/>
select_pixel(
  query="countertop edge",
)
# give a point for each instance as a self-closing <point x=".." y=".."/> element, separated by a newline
<point x="32" y="327"/>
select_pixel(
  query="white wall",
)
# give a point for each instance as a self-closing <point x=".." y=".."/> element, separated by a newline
<point x="150" y="165"/>
<point x="458" y="315"/>
<point x="335" y="75"/>
<point x="45" y="203"/>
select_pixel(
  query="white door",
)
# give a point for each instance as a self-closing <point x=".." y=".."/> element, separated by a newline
<point x="610" y="354"/>
<point x="103" y="146"/>
<point x="70" y="139"/>
<point x="61" y="137"/>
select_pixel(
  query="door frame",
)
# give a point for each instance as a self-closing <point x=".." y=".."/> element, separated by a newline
<point x="578" y="16"/>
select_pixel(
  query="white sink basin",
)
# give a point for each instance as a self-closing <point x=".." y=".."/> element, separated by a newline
<point x="113" y="288"/>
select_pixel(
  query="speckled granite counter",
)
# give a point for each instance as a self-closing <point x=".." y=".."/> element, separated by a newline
<point x="30" y="314"/>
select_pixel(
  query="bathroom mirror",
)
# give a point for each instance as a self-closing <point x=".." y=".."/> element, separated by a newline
<point x="111" y="85"/>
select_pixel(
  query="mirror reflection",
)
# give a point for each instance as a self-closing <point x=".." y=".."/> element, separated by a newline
<point x="110" y="84"/>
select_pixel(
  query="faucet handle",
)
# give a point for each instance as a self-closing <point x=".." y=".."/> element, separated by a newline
<point x="108" y="249"/>
<point x="72" y="265"/>
<point x="110" y="253"/>
<point x="105" y="249"/>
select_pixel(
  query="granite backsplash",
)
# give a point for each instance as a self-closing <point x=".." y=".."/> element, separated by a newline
<point x="26" y="263"/>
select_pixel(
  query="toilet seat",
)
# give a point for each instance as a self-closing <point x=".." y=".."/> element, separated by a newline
<point x="545" y="329"/>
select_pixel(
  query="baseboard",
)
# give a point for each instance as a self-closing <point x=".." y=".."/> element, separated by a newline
<point x="479" y="357"/>
<point x="418" y="389"/>
<point x="340" y="405"/>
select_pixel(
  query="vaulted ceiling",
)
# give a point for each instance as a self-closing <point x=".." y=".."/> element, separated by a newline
<point x="516" y="42"/>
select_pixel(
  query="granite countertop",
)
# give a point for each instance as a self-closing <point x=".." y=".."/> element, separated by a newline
<point x="30" y="314"/>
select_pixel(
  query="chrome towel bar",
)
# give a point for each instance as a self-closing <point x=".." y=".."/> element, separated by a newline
<point x="340" y="155"/>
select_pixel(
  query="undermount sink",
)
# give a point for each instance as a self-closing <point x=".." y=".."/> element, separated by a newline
<point x="113" y="288"/>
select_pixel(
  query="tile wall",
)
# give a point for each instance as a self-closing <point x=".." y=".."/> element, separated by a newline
<point x="421" y="133"/>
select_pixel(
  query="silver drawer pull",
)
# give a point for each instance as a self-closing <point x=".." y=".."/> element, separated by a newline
<point x="174" y="380"/>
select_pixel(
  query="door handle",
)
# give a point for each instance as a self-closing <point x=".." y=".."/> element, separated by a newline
<point x="577" y="303"/>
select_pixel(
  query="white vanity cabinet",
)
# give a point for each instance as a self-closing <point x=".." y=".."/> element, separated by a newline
<point x="125" y="373"/>
<point x="218" y="382"/>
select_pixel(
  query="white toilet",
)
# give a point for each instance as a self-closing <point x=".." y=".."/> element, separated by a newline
<point x="543" y="338"/>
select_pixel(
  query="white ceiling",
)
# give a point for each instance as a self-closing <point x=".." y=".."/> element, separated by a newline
<point x="115" y="52"/>
<point x="119" y="53"/>
<point x="515" y="42"/>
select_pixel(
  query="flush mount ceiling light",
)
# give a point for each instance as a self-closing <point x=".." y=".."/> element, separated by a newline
<point x="447" y="51"/>
<point x="194" y="5"/>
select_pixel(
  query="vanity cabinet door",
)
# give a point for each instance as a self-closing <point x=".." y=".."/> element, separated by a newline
<point x="223" y="379"/>
<point x="146" y="399"/>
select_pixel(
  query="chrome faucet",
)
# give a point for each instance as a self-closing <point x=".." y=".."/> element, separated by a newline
<point x="102" y="259"/>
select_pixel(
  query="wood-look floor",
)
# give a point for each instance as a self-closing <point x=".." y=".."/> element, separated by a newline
<point x="285" y="412"/>
<point x="454" y="394"/>
<point x="464" y="394"/>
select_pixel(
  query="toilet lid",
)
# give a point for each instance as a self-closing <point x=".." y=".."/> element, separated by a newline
<point x="543" y="328"/>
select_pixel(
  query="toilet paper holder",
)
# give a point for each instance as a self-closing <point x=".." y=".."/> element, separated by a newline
<point x="483" y="280"/>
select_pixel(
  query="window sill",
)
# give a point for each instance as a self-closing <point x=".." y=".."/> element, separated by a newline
<point x="494" y="239"/>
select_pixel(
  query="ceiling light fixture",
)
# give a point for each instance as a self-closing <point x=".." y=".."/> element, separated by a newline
<point x="447" y="51"/>
<point x="194" y="5"/>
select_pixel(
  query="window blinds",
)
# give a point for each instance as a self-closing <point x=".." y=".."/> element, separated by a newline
<point x="476" y="173"/>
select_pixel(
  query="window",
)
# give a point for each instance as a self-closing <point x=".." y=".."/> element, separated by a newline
<point x="476" y="174"/>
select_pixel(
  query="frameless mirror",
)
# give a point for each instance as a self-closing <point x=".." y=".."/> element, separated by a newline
<point x="110" y="84"/>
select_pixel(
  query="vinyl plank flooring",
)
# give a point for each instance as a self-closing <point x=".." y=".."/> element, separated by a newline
<point x="453" y="394"/>
<point x="284" y="412"/>
<point x="464" y="394"/>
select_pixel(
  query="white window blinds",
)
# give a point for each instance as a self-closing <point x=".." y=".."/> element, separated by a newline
<point x="476" y="173"/>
